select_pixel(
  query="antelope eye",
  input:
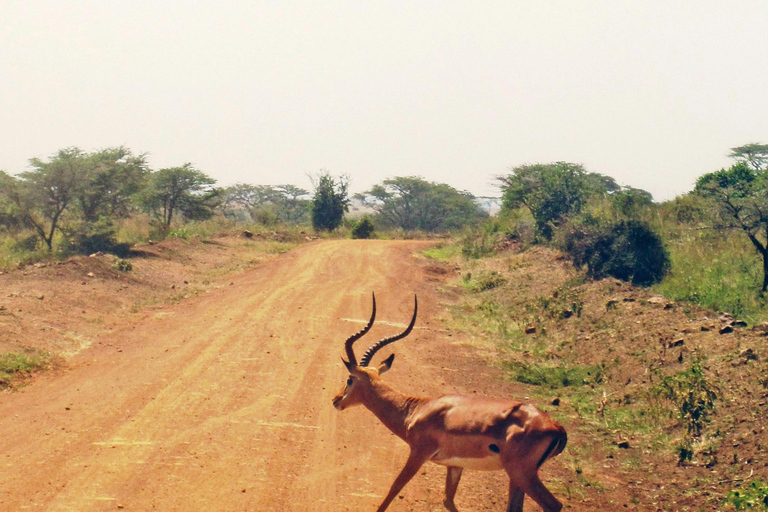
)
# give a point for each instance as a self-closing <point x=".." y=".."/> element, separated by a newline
<point x="349" y="381"/>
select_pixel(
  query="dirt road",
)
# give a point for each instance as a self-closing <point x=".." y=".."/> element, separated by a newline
<point x="223" y="402"/>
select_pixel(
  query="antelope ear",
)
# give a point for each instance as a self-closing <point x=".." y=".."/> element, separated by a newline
<point x="352" y="368"/>
<point x="386" y="364"/>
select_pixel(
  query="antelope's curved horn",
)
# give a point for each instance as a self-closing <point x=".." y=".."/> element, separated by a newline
<point x="386" y="341"/>
<point x="352" y="339"/>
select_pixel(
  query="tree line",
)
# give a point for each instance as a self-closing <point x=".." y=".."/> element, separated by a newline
<point x="78" y="195"/>
<point x="75" y="197"/>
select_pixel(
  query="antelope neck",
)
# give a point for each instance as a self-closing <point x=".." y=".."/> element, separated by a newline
<point x="391" y="407"/>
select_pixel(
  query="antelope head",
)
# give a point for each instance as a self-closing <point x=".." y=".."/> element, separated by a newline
<point x="361" y="376"/>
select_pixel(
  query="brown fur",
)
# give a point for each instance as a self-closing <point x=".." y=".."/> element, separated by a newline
<point x="457" y="429"/>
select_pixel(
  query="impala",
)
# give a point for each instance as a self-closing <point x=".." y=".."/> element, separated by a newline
<point x="454" y="430"/>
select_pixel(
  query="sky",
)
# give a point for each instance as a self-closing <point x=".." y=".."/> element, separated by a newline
<point x="653" y="93"/>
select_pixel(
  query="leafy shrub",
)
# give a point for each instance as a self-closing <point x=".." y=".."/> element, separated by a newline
<point x="755" y="496"/>
<point x="692" y="395"/>
<point x="27" y="243"/>
<point x="329" y="202"/>
<point x="626" y="249"/>
<point x="99" y="236"/>
<point x="511" y="225"/>
<point x="181" y="232"/>
<point x="265" y="215"/>
<point x="363" y="228"/>
<point x="122" y="265"/>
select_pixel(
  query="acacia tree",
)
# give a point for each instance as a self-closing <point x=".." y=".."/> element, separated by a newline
<point x="282" y="203"/>
<point x="42" y="195"/>
<point x="179" y="190"/>
<point x="292" y="208"/>
<point x="247" y="198"/>
<point x="552" y="191"/>
<point x="111" y="177"/>
<point x="754" y="154"/>
<point x="330" y="201"/>
<point x="85" y="189"/>
<point x="740" y="194"/>
<point x="10" y="218"/>
<point x="412" y="203"/>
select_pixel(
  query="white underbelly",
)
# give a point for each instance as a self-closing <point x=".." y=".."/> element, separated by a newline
<point x="490" y="463"/>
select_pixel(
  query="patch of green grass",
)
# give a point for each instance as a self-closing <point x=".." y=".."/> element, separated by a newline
<point x="13" y="365"/>
<point x="483" y="281"/>
<point x="20" y="250"/>
<point x="753" y="496"/>
<point x="443" y="252"/>
<point x="559" y="376"/>
<point x="719" y="271"/>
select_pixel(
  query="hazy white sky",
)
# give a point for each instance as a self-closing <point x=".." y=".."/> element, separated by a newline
<point x="653" y="93"/>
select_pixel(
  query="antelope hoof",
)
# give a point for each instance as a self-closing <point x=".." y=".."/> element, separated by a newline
<point x="450" y="506"/>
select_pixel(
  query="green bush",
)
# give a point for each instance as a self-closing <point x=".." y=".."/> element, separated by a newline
<point x="626" y="249"/>
<point x="92" y="237"/>
<point x="363" y="228"/>
<point x="754" y="496"/>
<point x="27" y="243"/>
<point x="122" y="265"/>
<point x="693" y="396"/>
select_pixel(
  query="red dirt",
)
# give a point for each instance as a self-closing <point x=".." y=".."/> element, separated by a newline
<point x="222" y="401"/>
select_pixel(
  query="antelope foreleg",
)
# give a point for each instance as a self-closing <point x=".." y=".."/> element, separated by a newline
<point x="416" y="459"/>
<point x="451" y="483"/>
<point x="516" y="498"/>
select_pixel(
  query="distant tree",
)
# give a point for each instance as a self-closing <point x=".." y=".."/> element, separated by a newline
<point x="330" y="201"/>
<point x="552" y="191"/>
<point x="183" y="191"/>
<point x="604" y="183"/>
<point x="42" y="195"/>
<point x="10" y="218"/>
<point x="740" y="195"/>
<point x="282" y="203"/>
<point x="291" y="206"/>
<point x="756" y="155"/>
<point x="630" y="202"/>
<point x="247" y="198"/>
<point x="111" y="177"/>
<point x="412" y="203"/>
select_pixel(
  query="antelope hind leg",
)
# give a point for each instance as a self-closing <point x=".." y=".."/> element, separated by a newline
<point x="541" y="495"/>
<point x="451" y="483"/>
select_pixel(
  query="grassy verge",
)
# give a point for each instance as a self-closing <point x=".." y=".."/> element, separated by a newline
<point x="14" y="367"/>
<point x="650" y="391"/>
<point x="718" y="270"/>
